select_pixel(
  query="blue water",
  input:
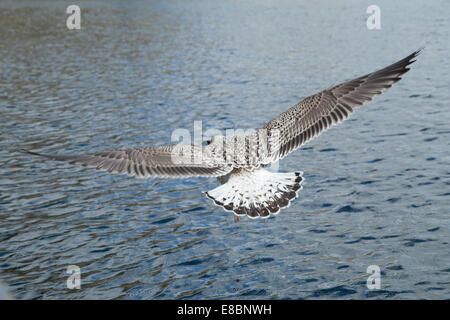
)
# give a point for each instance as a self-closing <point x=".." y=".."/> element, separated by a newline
<point x="377" y="187"/>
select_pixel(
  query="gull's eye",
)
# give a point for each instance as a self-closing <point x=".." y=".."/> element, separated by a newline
<point x="208" y="142"/>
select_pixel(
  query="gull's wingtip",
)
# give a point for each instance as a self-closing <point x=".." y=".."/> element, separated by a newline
<point x="419" y="51"/>
<point x="416" y="53"/>
<point x="23" y="150"/>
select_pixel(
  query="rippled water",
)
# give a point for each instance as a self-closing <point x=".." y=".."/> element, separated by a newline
<point x="377" y="187"/>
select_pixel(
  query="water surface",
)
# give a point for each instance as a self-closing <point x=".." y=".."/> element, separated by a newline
<point x="377" y="187"/>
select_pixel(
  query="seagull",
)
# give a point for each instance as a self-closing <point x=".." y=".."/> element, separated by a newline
<point x="240" y="161"/>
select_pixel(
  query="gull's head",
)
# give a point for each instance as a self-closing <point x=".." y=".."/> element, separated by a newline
<point x="215" y="139"/>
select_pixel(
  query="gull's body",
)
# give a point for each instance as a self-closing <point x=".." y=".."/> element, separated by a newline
<point x="238" y="161"/>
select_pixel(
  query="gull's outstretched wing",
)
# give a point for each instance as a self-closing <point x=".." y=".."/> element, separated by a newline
<point x="165" y="161"/>
<point x="318" y="112"/>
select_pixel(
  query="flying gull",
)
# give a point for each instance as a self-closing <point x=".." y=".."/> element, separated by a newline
<point x="240" y="161"/>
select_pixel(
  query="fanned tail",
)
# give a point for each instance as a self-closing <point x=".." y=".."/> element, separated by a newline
<point x="257" y="193"/>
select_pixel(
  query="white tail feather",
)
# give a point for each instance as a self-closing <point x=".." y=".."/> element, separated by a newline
<point x="257" y="193"/>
